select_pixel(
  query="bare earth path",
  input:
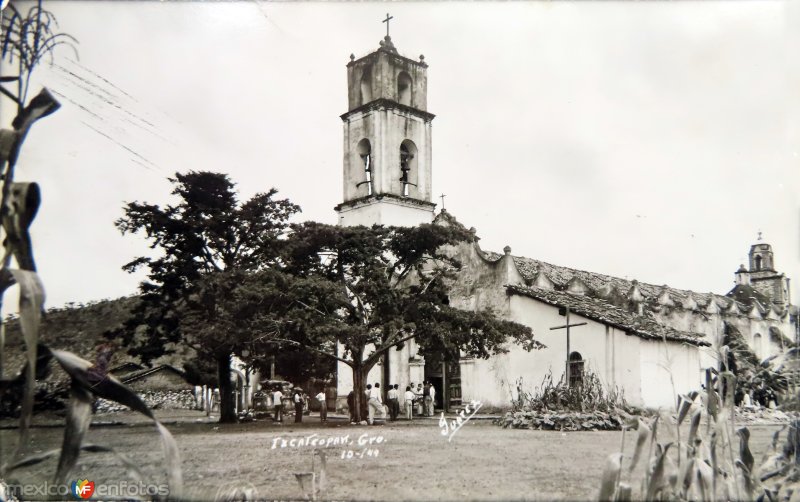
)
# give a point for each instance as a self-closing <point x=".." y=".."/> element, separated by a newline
<point x="413" y="461"/>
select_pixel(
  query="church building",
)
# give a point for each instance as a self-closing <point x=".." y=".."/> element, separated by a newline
<point x="646" y="341"/>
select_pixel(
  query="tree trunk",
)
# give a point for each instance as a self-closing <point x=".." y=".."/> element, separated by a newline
<point x="358" y="392"/>
<point x="360" y="374"/>
<point x="227" y="410"/>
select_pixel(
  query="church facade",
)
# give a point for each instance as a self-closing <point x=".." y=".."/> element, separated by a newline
<point x="648" y="342"/>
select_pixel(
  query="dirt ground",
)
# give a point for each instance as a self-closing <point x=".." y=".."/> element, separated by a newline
<point x="403" y="462"/>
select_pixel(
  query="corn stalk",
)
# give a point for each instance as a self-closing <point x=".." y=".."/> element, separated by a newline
<point x="25" y="40"/>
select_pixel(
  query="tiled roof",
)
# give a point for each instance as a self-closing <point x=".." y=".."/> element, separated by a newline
<point x="602" y="285"/>
<point x="529" y="267"/>
<point x="641" y="325"/>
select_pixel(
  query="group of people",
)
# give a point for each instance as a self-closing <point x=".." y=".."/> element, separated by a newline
<point x="422" y="398"/>
<point x="758" y="396"/>
<point x="299" y="399"/>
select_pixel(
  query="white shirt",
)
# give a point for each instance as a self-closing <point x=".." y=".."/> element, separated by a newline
<point x="298" y="398"/>
<point x="392" y="394"/>
<point x="375" y="393"/>
<point x="321" y="397"/>
<point x="433" y="391"/>
<point x="410" y="396"/>
<point x="276" y="397"/>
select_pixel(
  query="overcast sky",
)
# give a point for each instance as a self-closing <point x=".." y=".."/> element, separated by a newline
<point x="647" y="140"/>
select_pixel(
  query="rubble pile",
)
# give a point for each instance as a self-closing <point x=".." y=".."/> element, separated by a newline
<point x="155" y="400"/>
<point x="762" y="415"/>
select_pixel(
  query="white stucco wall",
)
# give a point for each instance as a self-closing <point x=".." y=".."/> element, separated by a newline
<point x="627" y="362"/>
<point x="664" y="366"/>
<point x="385" y="211"/>
<point x="400" y="372"/>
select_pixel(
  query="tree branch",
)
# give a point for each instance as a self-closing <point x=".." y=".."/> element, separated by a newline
<point x="386" y="346"/>
<point x="318" y="311"/>
<point x="318" y="351"/>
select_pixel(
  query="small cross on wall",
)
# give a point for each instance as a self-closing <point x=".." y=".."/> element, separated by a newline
<point x="442" y="197"/>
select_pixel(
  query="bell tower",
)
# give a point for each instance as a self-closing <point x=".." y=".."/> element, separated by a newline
<point x="387" y="140"/>
<point x="763" y="275"/>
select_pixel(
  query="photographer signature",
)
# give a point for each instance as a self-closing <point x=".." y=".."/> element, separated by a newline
<point x="463" y="417"/>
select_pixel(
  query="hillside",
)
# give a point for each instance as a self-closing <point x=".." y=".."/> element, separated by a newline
<point x="77" y="328"/>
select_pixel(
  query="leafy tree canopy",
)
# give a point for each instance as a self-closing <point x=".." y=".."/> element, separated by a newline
<point x="214" y="283"/>
<point x="371" y="289"/>
<point x="208" y="241"/>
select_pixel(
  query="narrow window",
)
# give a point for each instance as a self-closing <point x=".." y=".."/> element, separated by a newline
<point x="758" y="262"/>
<point x="408" y="153"/>
<point x="366" y="85"/>
<point x="404" y="89"/>
<point x="575" y="370"/>
<point x="365" y="153"/>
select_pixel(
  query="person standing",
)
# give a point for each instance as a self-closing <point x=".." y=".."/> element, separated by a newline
<point x="409" y="402"/>
<point x="432" y="402"/>
<point x="375" y="403"/>
<point x="393" y="406"/>
<point x="323" y="406"/>
<point x="365" y="402"/>
<point x="277" y="401"/>
<point x="397" y="406"/>
<point x="298" y="405"/>
<point x="419" y="399"/>
<point x="426" y="393"/>
<point x="351" y="406"/>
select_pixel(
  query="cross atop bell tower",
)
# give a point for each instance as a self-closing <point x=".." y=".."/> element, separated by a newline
<point x="388" y="18"/>
<point x="387" y="140"/>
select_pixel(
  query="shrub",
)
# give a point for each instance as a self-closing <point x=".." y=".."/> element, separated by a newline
<point x="557" y="406"/>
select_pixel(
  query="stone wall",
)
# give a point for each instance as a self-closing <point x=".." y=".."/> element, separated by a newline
<point x="155" y="400"/>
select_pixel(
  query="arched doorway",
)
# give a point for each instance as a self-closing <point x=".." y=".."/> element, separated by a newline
<point x="576" y="369"/>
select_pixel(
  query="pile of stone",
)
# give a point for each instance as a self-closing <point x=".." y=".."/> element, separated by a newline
<point x="562" y="421"/>
<point x="155" y="400"/>
<point x="762" y="415"/>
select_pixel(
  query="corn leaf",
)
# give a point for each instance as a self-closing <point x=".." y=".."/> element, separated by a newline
<point x="79" y="417"/>
<point x="728" y="381"/>
<point x="684" y="405"/>
<point x="745" y="478"/>
<point x="705" y="478"/>
<point x="685" y="476"/>
<point x="693" y="426"/>
<point x="745" y="455"/>
<point x="712" y="398"/>
<point x="31" y="301"/>
<point x="658" y="479"/>
<point x="21" y="207"/>
<point x="133" y="469"/>
<point x="641" y="439"/>
<point x="608" y="485"/>
<point x="108" y="387"/>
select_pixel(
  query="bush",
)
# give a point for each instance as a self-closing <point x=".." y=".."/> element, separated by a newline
<point x="557" y="406"/>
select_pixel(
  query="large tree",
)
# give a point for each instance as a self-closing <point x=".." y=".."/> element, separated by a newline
<point x="368" y="290"/>
<point x="208" y="283"/>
